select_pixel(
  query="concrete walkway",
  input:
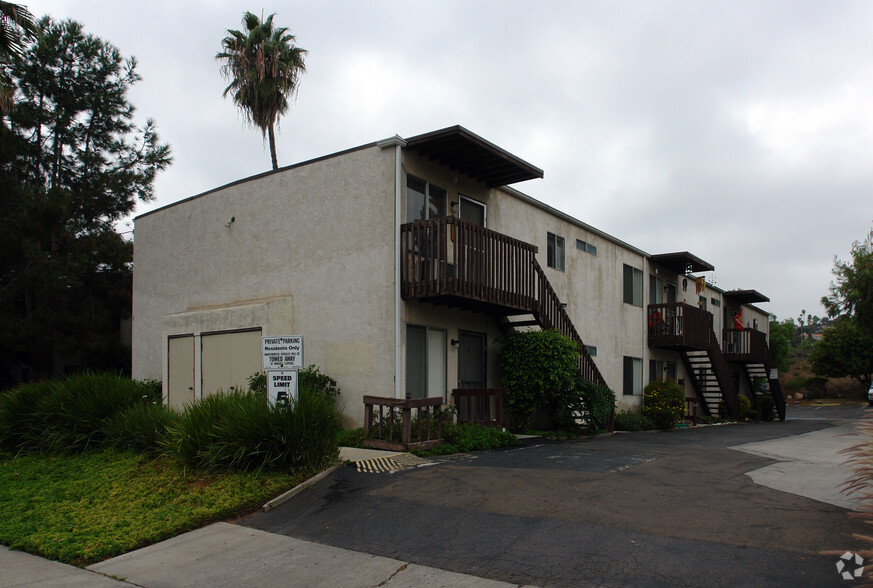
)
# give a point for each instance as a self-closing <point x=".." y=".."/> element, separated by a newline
<point x="810" y="465"/>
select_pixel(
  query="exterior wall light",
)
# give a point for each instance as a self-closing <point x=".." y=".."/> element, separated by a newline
<point x="455" y="343"/>
<point x="230" y="222"/>
<point x="455" y="207"/>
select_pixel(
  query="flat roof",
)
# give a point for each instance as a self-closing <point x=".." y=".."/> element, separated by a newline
<point x="682" y="262"/>
<point x="745" y="296"/>
<point x="468" y="153"/>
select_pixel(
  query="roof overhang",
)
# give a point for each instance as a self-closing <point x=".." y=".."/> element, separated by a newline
<point x="745" y="296"/>
<point x="467" y="153"/>
<point x="681" y="262"/>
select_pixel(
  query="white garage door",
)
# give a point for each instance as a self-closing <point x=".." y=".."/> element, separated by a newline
<point x="228" y="359"/>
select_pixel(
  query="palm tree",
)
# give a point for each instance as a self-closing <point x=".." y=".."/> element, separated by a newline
<point x="16" y="24"/>
<point x="264" y="67"/>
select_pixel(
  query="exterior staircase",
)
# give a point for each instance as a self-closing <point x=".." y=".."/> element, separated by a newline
<point x="749" y="347"/>
<point x="456" y="263"/>
<point x="689" y="330"/>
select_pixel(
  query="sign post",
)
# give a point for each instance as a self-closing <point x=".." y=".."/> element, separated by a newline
<point x="281" y="386"/>
<point x="282" y="357"/>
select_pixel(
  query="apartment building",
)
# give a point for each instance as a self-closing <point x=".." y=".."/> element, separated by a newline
<point x="402" y="263"/>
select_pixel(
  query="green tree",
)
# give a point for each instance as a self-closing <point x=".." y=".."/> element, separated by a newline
<point x="72" y="163"/>
<point x="16" y="25"/>
<point x="845" y="349"/>
<point x="263" y="66"/>
<point x="851" y="292"/>
<point x="781" y="335"/>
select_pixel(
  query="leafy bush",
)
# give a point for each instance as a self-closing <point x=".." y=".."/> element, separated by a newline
<point x="664" y="403"/>
<point x="745" y="406"/>
<point x="69" y="415"/>
<point x="598" y="403"/>
<point x="310" y="378"/>
<point x="632" y="421"/>
<point x="539" y="368"/>
<point x="766" y="406"/>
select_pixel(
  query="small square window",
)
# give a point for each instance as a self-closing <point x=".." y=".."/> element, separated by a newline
<point x="592" y="350"/>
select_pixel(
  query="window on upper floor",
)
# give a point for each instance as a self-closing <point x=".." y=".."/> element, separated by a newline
<point x="587" y="247"/>
<point x="701" y="302"/>
<point x="555" y="251"/>
<point x="633" y="286"/>
<point x="424" y="200"/>
<point x="592" y="350"/>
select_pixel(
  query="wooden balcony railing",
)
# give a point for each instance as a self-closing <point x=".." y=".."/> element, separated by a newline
<point x="480" y="405"/>
<point x="677" y="325"/>
<point x="395" y="428"/>
<point x="450" y="258"/>
<point x="747" y="345"/>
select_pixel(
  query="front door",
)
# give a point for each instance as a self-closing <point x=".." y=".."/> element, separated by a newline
<point x="471" y="360"/>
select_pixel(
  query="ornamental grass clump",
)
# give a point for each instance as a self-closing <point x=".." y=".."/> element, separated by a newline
<point x="68" y="415"/>
<point x="231" y="431"/>
<point x="664" y="403"/>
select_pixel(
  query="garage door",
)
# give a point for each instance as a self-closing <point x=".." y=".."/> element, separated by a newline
<point x="228" y="359"/>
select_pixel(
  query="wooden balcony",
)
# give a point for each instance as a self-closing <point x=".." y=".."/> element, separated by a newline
<point x="458" y="263"/>
<point x="746" y="346"/>
<point x="679" y="326"/>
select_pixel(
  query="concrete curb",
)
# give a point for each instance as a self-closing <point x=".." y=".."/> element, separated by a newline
<point x="300" y="488"/>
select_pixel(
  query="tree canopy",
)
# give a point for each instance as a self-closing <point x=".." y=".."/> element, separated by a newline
<point x="16" y="26"/>
<point x="851" y="292"/>
<point x="263" y="66"/>
<point x="846" y="348"/>
<point x="72" y="163"/>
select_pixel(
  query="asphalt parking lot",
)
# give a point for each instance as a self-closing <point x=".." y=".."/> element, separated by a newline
<point x="641" y="509"/>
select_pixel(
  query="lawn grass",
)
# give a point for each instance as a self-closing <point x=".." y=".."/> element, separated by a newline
<point x="84" y="508"/>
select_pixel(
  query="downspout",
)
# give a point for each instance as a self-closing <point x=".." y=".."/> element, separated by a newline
<point x="398" y="143"/>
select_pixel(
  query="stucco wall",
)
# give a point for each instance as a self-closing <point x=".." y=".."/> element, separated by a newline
<point x="310" y="252"/>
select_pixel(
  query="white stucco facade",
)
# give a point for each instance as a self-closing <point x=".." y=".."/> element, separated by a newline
<point x="312" y="250"/>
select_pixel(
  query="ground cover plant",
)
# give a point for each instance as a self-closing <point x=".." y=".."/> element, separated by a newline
<point x="466" y="437"/>
<point x="83" y="508"/>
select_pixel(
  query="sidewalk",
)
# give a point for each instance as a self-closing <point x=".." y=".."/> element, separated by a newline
<point x="223" y="554"/>
<point x="810" y="465"/>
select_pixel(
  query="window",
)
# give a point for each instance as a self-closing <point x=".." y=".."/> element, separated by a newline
<point x="656" y="289"/>
<point x="716" y="303"/>
<point x="424" y="200"/>
<point x="592" y="350"/>
<point x="555" y="251"/>
<point x="472" y="211"/>
<point x="755" y="324"/>
<point x="425" y="362"/>
<point x="656" y="370"/>
<point x="701" y="303"/>
<point x="633" y="376"/>
<point x="633" y="286"/>
<point x="587" y="247"/>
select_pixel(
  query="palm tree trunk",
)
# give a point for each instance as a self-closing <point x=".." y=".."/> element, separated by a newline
<point x="272" y="138"/>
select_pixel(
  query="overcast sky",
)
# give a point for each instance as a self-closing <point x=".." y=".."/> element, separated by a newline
<point x="739" y="131"/>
